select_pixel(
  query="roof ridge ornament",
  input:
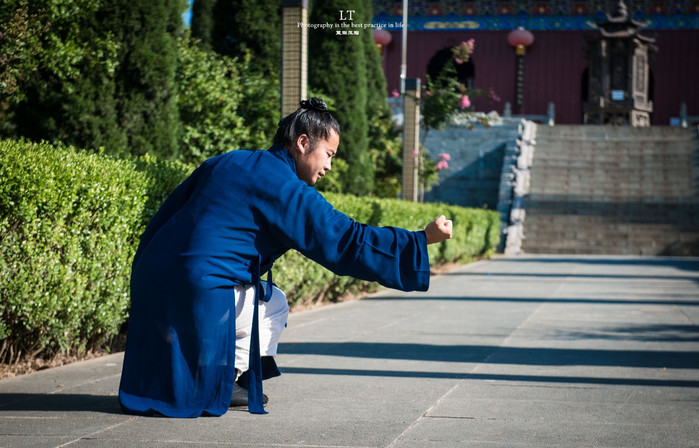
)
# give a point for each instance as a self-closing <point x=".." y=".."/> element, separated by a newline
<point x="619" y="23"/>
<point x="620" y="10"/>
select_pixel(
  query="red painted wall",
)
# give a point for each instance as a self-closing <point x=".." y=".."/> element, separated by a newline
<point x="554" y="67"/>
<point x="675" y="70"/>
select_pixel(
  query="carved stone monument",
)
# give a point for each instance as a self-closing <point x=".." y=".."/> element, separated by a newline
<point x="618" y="72"/>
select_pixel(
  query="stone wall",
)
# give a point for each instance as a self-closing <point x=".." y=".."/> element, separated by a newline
<point x="475" y="169"/>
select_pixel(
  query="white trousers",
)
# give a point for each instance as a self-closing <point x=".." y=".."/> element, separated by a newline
<point x="272" y="317"/>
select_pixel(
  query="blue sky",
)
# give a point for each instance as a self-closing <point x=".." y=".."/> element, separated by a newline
<point x="187" y="16"/>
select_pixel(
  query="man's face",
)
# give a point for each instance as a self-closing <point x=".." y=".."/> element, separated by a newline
<point x="313" y="161"/>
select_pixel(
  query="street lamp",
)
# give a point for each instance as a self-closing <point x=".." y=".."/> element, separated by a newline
<point x="520" y="39"/>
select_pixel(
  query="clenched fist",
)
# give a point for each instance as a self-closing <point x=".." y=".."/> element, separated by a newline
<point x="438" y="230"/>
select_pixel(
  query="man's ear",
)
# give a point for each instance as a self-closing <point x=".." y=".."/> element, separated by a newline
<point x="303" y="144"/>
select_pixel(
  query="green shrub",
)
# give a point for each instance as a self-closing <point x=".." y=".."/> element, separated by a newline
<point x="69" y="225"/>
<point x="209" y="95"/>
<point x="223" y="105"/>
<point x="476" y="234"/>
<point x="161" y="177"/>
<point x="70" y="222"/>
<point x="66" y="234"/>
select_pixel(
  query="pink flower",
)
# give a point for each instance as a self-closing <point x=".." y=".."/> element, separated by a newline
<point x="428" y="93"/>
<point x="414" y="154"/>
<point x="444" y="156"/>
<point x="395" y="93"/>
<point x="465" y="102"/>
<point x="458" y="61"/>
<point x="441" y="165"/>
<point x="494" y="96"/>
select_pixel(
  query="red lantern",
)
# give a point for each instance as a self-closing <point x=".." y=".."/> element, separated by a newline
<point x="381" y="36"/>
<point x="520" y="37"/>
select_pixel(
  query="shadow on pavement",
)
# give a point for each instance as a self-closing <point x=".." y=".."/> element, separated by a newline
<point x="493" y="377"/>
<point x="572" y="275"/>
<point x="108" y="404"/>
<point x="685" y="263"/>
<point x="645" y="333"/>
<point x="692" y="302"/>
<point x="498" y="355"/>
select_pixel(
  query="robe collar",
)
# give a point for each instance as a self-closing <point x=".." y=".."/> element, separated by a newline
<point x="284" y="155"/>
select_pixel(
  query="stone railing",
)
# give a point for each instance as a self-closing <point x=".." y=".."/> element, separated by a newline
<point x="514" y="187"/>
<point x="548" y="119"/>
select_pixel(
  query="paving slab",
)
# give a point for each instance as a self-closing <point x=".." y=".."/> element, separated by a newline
<point x="527" y="351"/>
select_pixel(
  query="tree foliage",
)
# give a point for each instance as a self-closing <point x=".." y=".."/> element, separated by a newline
<point x="238" y="27"/>
<point x="20" y="43"/>
<point x="222" y="105"/>
<point x="202" y="23"/>
<point x="92" y="73"/>
<point x="146" y="91"/>
<point x="61" y="72"/>
<point x="209" y="96"/>
<point x="339" y="69"/>
<point x="383" y="138"/>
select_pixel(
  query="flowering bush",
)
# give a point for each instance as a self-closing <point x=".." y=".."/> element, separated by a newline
<point x="442" y="99"/>
<point x="443" y="163"/>
<point x="462" y="52"/>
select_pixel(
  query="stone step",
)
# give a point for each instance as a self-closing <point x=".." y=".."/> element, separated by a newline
<point x="628" y="146"/>
<point x="590" y="149"/>
<point x="561" y="208"/>
<point x="612" y="164"/>
<point x="604" y="189"/>
<point x="631" y="145"/>
<point x="674" y="249"/>
<point x="611" y="132"/>
<point x="606" y="192"/>
<point x="679" y="176"/>
<point x="655" y="237"/>
<point x="603" y="231"/>
<point x="629" y="159"/>
<point x="602" y="160"/>
<point x="592" y="181"/>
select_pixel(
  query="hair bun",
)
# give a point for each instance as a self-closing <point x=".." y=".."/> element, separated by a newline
<point x="314" y="104"/>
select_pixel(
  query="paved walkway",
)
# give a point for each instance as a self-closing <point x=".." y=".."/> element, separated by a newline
<point x="532" y="351"/>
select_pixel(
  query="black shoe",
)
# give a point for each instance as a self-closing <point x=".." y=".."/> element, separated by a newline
<point x="240" y="397"/>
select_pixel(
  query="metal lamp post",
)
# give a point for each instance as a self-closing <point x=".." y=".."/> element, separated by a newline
<point x="520" y="39"/>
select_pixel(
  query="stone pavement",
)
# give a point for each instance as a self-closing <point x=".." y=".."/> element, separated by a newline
<point x="530" y="351"/>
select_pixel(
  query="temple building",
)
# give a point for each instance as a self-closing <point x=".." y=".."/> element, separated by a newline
<point x="657" y="84"/>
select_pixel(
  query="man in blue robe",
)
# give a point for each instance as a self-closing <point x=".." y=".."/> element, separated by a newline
<point x="206" y="248"/>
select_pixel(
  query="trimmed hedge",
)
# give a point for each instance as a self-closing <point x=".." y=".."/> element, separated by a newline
<point x="70" y="223"/>
<point x="476" y="234"/>
<point x="69" y="226"/>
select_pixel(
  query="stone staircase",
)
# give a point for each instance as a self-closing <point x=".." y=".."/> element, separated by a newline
<point x="613" y="190"/>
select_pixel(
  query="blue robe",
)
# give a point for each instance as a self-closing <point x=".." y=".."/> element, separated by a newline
<point x="230" y="220"/>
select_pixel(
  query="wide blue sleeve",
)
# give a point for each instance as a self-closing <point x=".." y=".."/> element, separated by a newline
<point x="394" y="257"/>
